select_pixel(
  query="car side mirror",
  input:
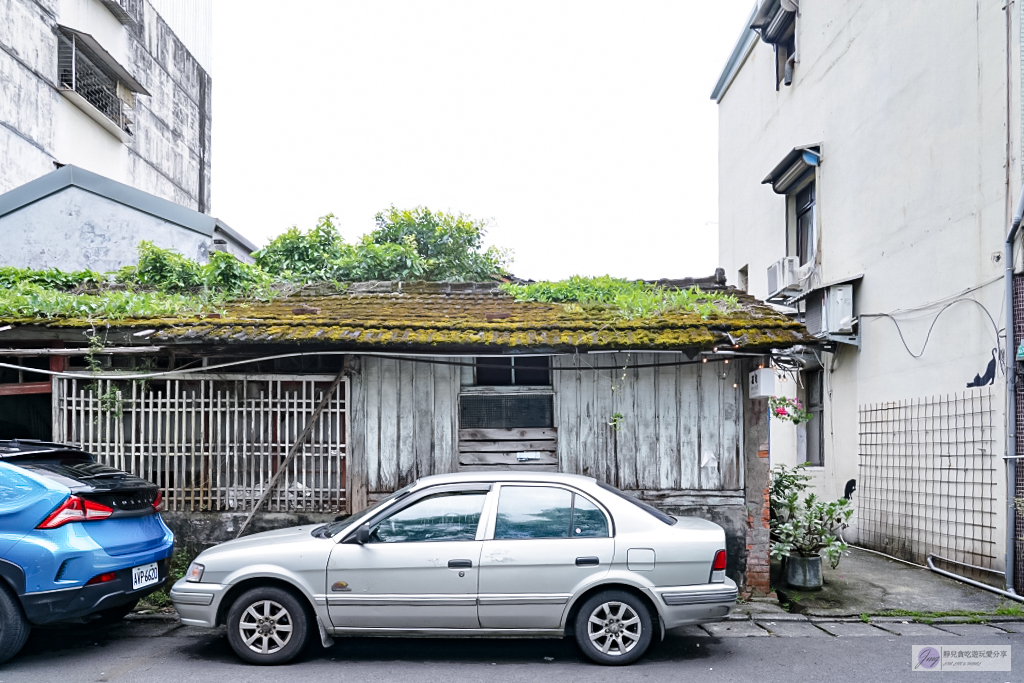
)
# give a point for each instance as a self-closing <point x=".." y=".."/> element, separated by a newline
<point x="363" y="534"/>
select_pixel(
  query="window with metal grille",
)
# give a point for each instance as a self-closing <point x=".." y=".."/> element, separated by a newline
<point x="509" y="411"/>
<point x="93" y="80"/>
<point x="528" y="371"/>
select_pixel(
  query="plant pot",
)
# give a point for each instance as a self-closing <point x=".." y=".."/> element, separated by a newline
<point x="803" y="572"/>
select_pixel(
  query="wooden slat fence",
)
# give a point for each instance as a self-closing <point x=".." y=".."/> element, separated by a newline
<point x="213" y="443"/>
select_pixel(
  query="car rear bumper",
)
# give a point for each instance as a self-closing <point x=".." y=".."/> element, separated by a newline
<point x="78" y="603"/>
<point x="197" y="603"/>
<point x="701" y="603"/>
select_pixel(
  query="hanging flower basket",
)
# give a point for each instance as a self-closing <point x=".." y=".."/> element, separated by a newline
<point x="788" y="409"/>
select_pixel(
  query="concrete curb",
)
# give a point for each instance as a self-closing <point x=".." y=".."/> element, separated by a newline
<point x="155" y="616"/>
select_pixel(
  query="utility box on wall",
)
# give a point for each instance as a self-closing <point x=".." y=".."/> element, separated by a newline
<point x="761" y="383"/>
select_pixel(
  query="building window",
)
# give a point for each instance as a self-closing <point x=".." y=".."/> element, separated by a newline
<point x="743" y="279"/>
<point x="776" y="23"/>
<point x="814" y="392"/>
<point x="509" y="371"/>
<point x="96" y="83"/>
<point x="805" y="239"/>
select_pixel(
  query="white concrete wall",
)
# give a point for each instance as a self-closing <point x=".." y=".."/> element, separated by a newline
<point x="169" y="156"/>
<point x="75" y="229"/>
<point x="910" y="104"/>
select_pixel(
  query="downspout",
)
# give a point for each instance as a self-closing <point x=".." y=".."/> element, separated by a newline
<point x="1011" y="401"/>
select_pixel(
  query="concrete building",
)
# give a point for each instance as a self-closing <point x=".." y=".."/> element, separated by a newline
<point x="121" y="88"/>
<point x="72" y="219"/>
<point x="869" y="162"/>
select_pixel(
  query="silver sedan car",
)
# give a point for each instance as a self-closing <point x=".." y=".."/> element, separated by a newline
<point x="471" y="554"/>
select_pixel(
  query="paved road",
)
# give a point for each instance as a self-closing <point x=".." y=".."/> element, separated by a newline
<point x="794" y="651"/>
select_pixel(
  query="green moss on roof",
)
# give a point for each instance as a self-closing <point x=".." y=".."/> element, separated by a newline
<point x="420" y="316"/>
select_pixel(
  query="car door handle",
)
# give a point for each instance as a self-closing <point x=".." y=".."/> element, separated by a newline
<point x="460" y="564"/>
<point x="587" y="561"/>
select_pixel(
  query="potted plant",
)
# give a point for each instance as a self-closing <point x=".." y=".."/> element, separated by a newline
<point x="803" y="527"/>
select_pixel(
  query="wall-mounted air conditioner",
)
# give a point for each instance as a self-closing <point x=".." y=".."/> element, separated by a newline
<point x="829" y="311"/>
<point x="783" y="277"/>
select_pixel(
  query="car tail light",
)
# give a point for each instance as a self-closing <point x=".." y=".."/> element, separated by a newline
<point x="718" y="568"/>
<point x="76" y="509"/>
<point x="101" y="578"/>
<point x="158" y="501"/>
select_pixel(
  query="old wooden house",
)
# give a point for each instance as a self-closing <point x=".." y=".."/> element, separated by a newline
<point x="347" y="396"/>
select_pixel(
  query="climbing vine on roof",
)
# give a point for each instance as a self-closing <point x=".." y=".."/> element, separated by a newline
<point x="407" y="244"/>
<point x="627" y="298"/>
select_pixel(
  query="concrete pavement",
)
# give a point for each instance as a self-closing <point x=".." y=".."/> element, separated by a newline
<point x="787" y="647"/>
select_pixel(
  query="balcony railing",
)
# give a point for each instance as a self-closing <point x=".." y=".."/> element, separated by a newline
<point x="78" y="74"/>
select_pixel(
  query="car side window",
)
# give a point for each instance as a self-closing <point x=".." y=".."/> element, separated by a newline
<point x="533" y="512"/>
<point x="450" y="516"/>
<point x="587" y="519"/>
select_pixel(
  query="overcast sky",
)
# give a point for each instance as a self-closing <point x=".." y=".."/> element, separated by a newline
<point x="581" y="129"/>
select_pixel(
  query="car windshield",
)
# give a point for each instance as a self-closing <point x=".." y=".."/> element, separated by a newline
<point x="333" y="528"/>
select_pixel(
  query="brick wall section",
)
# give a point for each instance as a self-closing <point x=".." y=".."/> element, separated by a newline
<point x="755" y="438"/>
<point x="758" y="580"/>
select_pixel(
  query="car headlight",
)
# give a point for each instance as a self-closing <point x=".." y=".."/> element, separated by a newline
<point x="195" y="572"/>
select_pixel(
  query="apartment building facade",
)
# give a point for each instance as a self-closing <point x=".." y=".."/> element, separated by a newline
<point x="121" y="88"/>
<point x="869" y="164"/>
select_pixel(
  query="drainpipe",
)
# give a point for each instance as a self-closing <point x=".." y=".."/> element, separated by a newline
<point x="1011" y="401"/>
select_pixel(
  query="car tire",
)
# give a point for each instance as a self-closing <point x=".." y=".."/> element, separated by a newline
<point x="614" y="628"/>
<point x="268" y="625"/>
<point x="14" y="627"/>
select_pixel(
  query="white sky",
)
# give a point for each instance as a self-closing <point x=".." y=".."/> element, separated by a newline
<point x="582" y="129"/>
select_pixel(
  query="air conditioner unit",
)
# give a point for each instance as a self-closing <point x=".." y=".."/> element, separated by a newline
<point x="837" y="308"/>
<point x="782" y="276"/>
<point x="829" y="311"/>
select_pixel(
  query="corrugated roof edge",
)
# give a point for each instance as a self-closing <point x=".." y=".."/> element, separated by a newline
<point x="73" y="176"/>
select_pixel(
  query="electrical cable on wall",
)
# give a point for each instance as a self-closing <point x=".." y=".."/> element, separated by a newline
<point x="996" y="329"/>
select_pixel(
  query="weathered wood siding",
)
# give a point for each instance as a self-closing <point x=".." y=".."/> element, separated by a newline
<point x="680" y="428"/>
<point x="404" y="424"/>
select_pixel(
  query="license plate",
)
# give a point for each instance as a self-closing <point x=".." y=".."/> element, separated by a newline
<point x="145" y="575"/>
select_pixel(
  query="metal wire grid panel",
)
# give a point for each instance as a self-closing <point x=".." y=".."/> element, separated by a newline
<point x="214" y="444"/>
<point x="928" y="478"/>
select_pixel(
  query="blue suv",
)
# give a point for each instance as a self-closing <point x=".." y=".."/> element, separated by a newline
<point x="79" y="541"/>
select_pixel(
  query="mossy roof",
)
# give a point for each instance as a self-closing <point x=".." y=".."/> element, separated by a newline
<point x="463" y="316"/>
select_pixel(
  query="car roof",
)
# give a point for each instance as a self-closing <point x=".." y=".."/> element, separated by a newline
<point x="504" y="475"/>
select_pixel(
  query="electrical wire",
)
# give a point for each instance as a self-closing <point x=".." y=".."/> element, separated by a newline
<point x="931" y="327"/>
<point x="411" y="359"/>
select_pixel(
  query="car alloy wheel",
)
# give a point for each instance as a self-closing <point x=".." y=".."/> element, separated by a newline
<point x="614" y="627"/>
<point x="265" y="627"/>
<point x="268" y="625"/>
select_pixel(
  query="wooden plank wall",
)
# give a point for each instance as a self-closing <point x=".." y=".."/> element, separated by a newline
<point x="403" y="422"/>
<point x="488" y="450"/>
<point x="673" y="419"/>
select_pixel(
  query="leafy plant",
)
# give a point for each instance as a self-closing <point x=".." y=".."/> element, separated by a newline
<point x="225" y="273"/>
<point x="789" y="410"/>
<point x="311" y="256"/>
<point x="165" y="270"/>
<point x="616" y="421"/>
<point x="450" y="246"/>
<point x="803" y="525"/>
<point x="809" y="527"/>
<point x="627" y="299"/>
